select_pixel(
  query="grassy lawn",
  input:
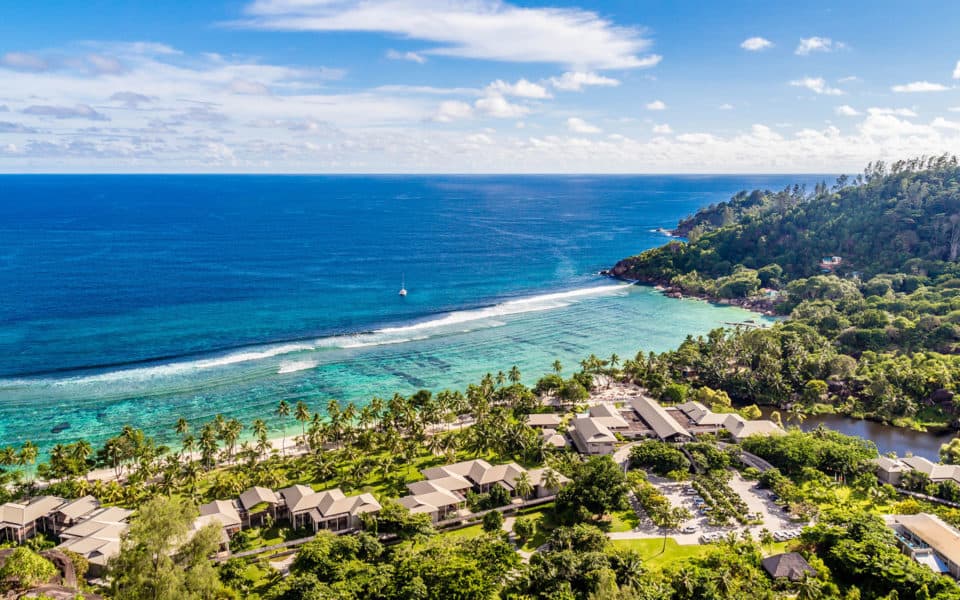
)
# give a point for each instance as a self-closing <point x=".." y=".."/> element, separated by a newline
<point x="650" y="550"/>
<point x="624" y="520"/>
<point x="466" y="533"/>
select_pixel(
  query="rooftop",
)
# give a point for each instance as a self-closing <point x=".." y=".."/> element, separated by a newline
<point x="789" y="565"/>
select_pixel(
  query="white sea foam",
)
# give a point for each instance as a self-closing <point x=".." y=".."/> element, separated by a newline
<point x="449" y="323"/>
<point x="297" y="365"/>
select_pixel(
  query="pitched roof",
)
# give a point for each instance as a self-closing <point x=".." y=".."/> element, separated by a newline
<point x="429" y="502"/>
<point x="608" y="415"/>
<point x="543" y="420"/>
<point x="657" y="418"/>
<point x="741" y="428"/>
<point x="890" y="465"/>
<point x="935" y="471"/>
<point x="462" y="469"/>
<point x="552" y="438"/>
<point x="223" y="510"/>
<point x="537" y="476"/>
<point x="294" y="495"/>
<point x="450" y="483"/>
<point x="20" y="514"/>
<point x="789" y="565"/>
<point x="592" y="431"/>
<point x="694" y="410"/>
<point x="257" y="495"/>
<point x="79" y="507"/>
<point x="934" y="532"/>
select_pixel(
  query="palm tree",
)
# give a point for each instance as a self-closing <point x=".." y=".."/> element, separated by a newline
<point x="551" y="480"/>
<point x="283" y="411"/>
<point x="557" y="367"/>
<point x="231" y="433"/>
<point x="8" y="456"/>
<point x="514" y="374"/>
<point x="182" y="427"/>
<point x="28" y="454"/>
<point x="302" y="414"/>
<point x="809" y="588"/>
<point x="208" y="445"/>
<point x="522" y="485"/>
<point x="80" y="452"/>
<point x="259" y="427"/>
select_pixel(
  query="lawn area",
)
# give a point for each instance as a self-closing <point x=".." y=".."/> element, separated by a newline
<point x="650" y="550"/>
<point x="624" y="520"/>
<point x="466" y="533"/>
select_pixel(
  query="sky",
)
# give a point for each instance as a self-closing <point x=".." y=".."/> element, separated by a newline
<point x="475" y="86"/>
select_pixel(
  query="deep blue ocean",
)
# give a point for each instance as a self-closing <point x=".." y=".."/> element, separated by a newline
<point x="138" y="299"/>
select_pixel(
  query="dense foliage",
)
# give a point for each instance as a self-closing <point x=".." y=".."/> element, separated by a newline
<point x="875" y="335"/>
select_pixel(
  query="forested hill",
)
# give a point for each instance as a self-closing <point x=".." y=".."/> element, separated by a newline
<point x="904" y="218"/>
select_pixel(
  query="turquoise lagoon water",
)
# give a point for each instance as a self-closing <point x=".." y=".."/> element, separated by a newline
<point x="139" y="299"/>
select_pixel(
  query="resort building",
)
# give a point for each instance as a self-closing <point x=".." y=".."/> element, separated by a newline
<point x="73" y="512"/>
<point x="553" y="439"/>
<point x="481" y="474"/>
<point x="892" y="470"/>
<point x="21" y="521"/>
<point x="255" y="504"/>
<point x="538" y="479"/>
<point x="609" y="416"/>
<point x="929" y="541"/>
<point x="788" y="565"/>
<point x="703" y="420"/>
<point x="591" y="437"/>
<point x="439" y="504"/>
<point x="224" y="512"/>
<point x="661" y="422"/>
<point x="330" y="509"/>
<point x="97" y="537"/>
<point x="543" y="420"/>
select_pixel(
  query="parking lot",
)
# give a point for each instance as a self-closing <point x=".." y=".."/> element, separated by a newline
<point x="758" y="501"/>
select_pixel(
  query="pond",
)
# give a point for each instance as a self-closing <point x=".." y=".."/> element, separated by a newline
<point x="886" y="437"/>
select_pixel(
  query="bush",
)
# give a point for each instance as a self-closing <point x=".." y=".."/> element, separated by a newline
<point x="493" y="521"/>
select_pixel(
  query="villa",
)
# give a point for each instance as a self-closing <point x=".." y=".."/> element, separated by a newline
<point x="97" y="537"/>
<point x="20" y="521"/>
<point x="224" y="512"/>
<point x="929" y="541"/>
<point x="330" y="509"/>
<point x="663" y="424"/>
<point x="543" y="420"/>
<point x="892" y="470"/>
<point x="703" y="420"/>
<point x="443" y="492"/>
<point x="591" y="437"/>
<point x="255" y="504"/>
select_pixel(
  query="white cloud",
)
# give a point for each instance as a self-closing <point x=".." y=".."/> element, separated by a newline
<point x="954" y="109"/>
<point x="411" y="56"/>
<point x="23" y="61"/>
<point x="847" y="111"/>
<point x="662" y="129"/>
<point x="521" y="89"/>
<point x="726" y="106"/>
<point x="817" y="44"/>
<point x="656" y="105"/>
<point x="79" y="111"/>
<point x="453" y="110"/>
<point x="101" y="64"/>
<point x="483" y="29"/>
<point x="578" y="125"/>
<point x="945" y="124"/>
<point x="252" y="88"/>
<point x="956" y="71"/>
<point x="817" y="85"/>
<point x="497" y="106"/>
<point x="919" y="86"/>
<point x="755" y="44"/>
<point x="480" y="138"/>
<point x="130" y="99"/>
<point x="897" y="112"/>
<point x="574" y="81"/>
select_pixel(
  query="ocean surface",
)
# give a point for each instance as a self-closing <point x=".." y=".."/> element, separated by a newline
<point x="139" y="299"/>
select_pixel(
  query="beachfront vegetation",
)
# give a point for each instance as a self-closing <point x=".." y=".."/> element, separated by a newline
<point x="874" y="335"/>
<point x="877" y="346"/>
